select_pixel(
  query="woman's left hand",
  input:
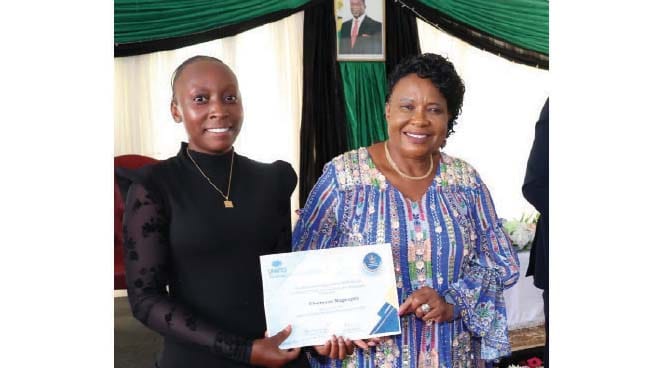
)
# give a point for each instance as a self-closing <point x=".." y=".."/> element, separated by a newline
<point x="439" y="310"/>
<point x="365" y="344"/>
<point x="336" y="348"/>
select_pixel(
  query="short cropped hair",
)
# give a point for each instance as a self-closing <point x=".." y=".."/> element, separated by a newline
<point x="443" y="76"/>
<point x="184" y="64"/>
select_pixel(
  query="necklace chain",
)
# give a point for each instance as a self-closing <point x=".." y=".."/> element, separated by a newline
<point x="230" y="175"/>
<point x="394" y="165"/>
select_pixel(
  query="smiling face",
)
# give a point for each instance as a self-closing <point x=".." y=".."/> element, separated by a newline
<point x="417" y="116"/>
<point x="357" y="8"/>
<point x="208" y="102"/>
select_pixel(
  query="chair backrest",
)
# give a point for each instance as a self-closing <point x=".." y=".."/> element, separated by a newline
<point x="128" y="162"/>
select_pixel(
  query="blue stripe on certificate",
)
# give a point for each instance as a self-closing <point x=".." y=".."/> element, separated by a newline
<point x="389" y="321"/>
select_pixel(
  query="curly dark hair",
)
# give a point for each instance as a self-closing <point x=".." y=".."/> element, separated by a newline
<point x="184" y="64"/>
<point x="443" y="76"/>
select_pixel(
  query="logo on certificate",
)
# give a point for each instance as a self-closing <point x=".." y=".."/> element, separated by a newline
<point x="372" y="261"/>
<point x="277" y="269"/>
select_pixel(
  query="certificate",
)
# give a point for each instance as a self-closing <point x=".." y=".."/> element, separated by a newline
<point x="347" y="291"/>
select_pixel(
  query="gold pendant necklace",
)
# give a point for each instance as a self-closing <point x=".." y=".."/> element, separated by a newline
<point x="394" y="165"/>
<point x="227" y="202"/>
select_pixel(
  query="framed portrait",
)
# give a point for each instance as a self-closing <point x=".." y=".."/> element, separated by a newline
<point x="360" y="26"/>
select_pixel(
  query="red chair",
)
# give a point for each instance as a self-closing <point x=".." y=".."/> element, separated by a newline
<point x="127" y="162"/>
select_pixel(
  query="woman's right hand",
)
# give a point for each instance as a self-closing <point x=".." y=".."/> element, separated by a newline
<point x="340" y="348"/>
<point x="336" y="348"/>
<point x="265" y="352"/>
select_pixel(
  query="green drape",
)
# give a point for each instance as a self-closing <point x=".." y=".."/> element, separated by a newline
<point x="364" y="94"/>
<point x="521" y="22"/>
<point x="144" y="20"/>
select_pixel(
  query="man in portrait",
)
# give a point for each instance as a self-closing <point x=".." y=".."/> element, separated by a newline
<point x="361" y="34"/>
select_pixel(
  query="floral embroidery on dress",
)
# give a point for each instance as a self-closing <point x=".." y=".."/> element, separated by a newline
<point x="387" y="354"/>
<point x="450" y="240"/>
<point x="485" y="313"/>
<point x="462" y="353"/>
<point x="350" y="362"/>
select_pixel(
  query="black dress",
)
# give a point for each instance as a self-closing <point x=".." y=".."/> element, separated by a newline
<point x="179" y="235"/>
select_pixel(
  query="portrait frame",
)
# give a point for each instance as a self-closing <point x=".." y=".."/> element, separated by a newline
<point x="369" y="42"/>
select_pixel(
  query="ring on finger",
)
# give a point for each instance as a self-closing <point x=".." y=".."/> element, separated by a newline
<point x="425" y="308"/>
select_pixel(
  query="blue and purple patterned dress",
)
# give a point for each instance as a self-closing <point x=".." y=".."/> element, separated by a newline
<point x="450" y="240"/>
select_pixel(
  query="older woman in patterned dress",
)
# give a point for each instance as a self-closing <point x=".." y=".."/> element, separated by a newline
<point x="452" y="259"/>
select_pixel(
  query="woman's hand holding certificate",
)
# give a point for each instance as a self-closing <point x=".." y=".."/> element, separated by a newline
<point x="427" y="305"/>
<point x="337" y="349"/>
<point x="331" y="297"/>
<point x="265" y="352"/>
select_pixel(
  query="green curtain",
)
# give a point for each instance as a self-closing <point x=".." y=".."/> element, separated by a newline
<point x="521" y="22"/>
<point x="364" y="94"/>
<point x="145" y="20"/>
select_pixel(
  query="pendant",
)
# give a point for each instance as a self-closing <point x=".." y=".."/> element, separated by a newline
<point x="228" y="204"/>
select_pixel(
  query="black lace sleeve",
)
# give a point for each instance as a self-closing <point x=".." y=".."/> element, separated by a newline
<point x="145" y="228"/>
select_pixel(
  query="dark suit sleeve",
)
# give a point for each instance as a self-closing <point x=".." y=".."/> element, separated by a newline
<point x="345" y="30"/>
<point x="536" y="185"/>
<point x="369" y="37"/>
<point x="536" y="190"/>
<point x="345" y="38"/>
<point x="370" y="27"/>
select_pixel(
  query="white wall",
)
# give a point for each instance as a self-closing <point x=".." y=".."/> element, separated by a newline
<point x="496" y="128"/>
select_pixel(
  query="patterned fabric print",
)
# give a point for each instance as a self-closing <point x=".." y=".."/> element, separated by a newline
<point x="462" y="353"/>
<point x="395" y="239"/>
<point x="350" y="362"/>
<point x="419" y="246"/>
<point x="483" y="284"/>
<point x="369" y="219"/>
<point x="387" y="354"/>
<point x="450" y="240"/>
<point x="406" y="348"/>
<point x="436" y="238"/>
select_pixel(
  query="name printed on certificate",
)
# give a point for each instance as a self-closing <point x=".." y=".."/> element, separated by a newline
<point x="347" y="291"/>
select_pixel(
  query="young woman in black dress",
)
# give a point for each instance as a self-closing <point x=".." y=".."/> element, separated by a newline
<point x="194" y="227"/>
